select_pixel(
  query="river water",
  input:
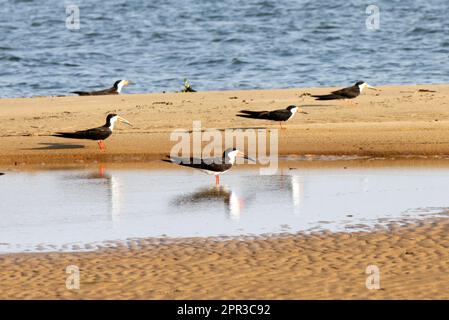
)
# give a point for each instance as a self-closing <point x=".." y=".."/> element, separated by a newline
<point x="218" y="45"/>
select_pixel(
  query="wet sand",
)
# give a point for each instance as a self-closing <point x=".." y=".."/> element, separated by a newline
<point x="397" y="120"/>
<point x="413" y="261"/>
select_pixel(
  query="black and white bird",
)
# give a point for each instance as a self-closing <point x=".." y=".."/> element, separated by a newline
<point x="212" y="166"/>
<point x="98" y="134"/>
<point x="115" y="89"/>
<point x="345" y="93"/>
<point x="281" y="115"/>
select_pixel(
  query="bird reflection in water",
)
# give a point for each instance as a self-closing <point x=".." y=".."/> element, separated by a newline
<point x="297" y="187"/>
<point x="209" y="195"/>
<point x="284" y="183"/>
<point x="100" y="174"/>
<point x="109" y="183"/>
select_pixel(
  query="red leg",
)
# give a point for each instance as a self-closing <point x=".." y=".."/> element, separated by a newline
<point x="217" y="179"/>
<point x="101" y="145"/>
<point x="101" y="171"/>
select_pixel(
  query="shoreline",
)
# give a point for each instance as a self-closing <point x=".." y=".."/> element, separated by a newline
<point x="398" y="120"/>
<point x="285" y="163"/>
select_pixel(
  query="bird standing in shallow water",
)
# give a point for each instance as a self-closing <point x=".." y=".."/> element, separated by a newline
<point x="212" y="166"/>
<point x="345" y="93"/>
<point x="115" y="89"/>
<point x="98" y="134"/>
<point x="276" y="115"/>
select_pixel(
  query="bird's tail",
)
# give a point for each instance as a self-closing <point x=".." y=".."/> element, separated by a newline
<point x="251" y="114"/>
<point x="176" y="160"/>
<point x="80" y="93"/>
<point x="327" y="97"/>
<point x="167" y="159"/>
<point x="247" y="116"/>
<point x="187" y="162"/>
<point x="70" y="135"/>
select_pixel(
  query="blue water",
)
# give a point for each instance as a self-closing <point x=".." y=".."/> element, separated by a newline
<point x="218" y="45"/>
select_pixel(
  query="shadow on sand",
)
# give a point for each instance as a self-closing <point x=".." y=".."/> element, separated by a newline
<point x="57" y="146"/>
<point x="319" y="105"/>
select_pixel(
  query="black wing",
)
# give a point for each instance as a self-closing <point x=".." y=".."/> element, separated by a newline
<point x="328" y="97"/>
<point x="81" y="93"/>
<point x="348" y="93"/>
<point x="213" y="164"/>
<point x="279" y="115"/>
<point x="100" y="133"/>
<point x="253" y="114"/>
<point x="276" y="115"/>
<point x="345" y="93"/>
<point x="97" y="93"/>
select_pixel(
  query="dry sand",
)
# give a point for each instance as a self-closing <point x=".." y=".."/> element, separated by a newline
<point x="399" y="120"/>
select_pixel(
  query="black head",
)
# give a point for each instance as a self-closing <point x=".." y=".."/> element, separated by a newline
<point x="109" y="117"/>
<point x="359" y="83"/>
<point x="116" y="83"/>
<point x="289" y="108"/>
<point x="226" y="152"/>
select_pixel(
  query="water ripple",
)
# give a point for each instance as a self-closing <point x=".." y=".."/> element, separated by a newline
<point x="219" y="45"/>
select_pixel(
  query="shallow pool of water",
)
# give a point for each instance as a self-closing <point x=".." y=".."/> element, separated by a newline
<point x="83" y="209"/>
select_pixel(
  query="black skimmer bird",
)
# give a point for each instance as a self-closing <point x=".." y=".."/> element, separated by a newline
<point x="98" y="134"/>
<point x="276" y="115"/>
<point x="212" y="166"/>
<point x="345" y="93"/>
<point x="115" y="89"/>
